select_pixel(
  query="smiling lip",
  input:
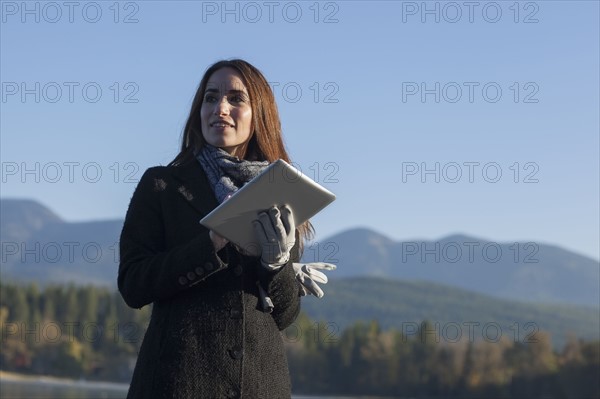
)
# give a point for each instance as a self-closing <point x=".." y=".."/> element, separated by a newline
<point x="221" y="124"/>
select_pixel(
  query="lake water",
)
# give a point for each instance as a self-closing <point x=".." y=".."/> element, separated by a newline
<point x="52" y="390"/>
<point x="46" y="389"/>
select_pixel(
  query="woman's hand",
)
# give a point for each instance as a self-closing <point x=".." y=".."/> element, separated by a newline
<point x="276" y="233"/>
<point x="308" y="275"/>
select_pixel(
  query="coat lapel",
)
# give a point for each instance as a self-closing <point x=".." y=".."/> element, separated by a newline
<point x="193" y="186"/>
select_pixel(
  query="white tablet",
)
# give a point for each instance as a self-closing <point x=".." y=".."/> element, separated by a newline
<point x="279" y="184"/>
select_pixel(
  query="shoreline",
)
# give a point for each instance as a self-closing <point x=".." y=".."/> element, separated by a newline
<point x="38" y="379"/>
<point x="9" y="376"/>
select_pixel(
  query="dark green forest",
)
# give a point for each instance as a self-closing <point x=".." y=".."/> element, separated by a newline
<point x="89" y="332"/>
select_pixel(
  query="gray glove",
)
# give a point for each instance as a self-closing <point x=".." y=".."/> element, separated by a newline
<point x="308" y="276"/>
<point x="265" y="301"/>
<point x="276" y="233"/>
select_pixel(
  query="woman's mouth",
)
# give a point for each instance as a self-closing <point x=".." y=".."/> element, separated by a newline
<point x="221" y="124"/>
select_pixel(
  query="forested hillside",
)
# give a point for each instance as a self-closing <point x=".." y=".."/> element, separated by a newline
<point x="88" y="332"/>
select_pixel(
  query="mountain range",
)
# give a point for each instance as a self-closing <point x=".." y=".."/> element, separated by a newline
<point x="457" y="279"/>
<point x="527" y="271"/>
<point x="38" y="245"/>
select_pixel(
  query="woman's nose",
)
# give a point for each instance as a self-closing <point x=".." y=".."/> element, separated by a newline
<point x="222" y="107"/>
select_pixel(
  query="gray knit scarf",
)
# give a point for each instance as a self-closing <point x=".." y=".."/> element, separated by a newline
<point x="227" y="173"/>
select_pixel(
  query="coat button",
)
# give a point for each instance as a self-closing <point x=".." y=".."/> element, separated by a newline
<point x="199" y="271"/>
<point x="232" y="393"/>
<point x="191" y="276"/>
<point x="238" y="270"/>
<point x="183" y="280"/>
<point x="236" y="352"/>
<point x="208" y="266"/>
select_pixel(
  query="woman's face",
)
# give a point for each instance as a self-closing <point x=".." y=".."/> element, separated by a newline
<point x="226" y="115"/>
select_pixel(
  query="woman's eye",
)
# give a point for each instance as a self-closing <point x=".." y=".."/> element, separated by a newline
<point x="237" y="99"/>
<point x="209" y="98"/>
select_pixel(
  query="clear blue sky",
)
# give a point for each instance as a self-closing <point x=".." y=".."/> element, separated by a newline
<point x="353" y="74"/>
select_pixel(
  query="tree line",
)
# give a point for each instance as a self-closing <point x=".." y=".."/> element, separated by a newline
<point x="89" y="332"/>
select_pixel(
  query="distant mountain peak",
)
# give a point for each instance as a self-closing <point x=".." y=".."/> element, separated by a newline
<point x="458" y="237"/>
<point x="20" y="217"/>
<point x="363" y="234"/>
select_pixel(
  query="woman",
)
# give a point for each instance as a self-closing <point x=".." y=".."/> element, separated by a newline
<point x="209" y="335"/>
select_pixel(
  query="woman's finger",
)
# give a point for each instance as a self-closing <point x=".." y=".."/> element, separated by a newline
<point x="259" y="230"/>
<point x="315" y="275"/>
<point x="278" y="227"/>
<point x="287" y="218"/>
<point x="322" y="266"/>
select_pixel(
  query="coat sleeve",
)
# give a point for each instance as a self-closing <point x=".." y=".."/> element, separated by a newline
<point x="284" y="290"/>
<point x="147" y="272"/>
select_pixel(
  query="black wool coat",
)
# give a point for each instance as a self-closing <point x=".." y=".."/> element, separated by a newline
<point x="208" y="336"/>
